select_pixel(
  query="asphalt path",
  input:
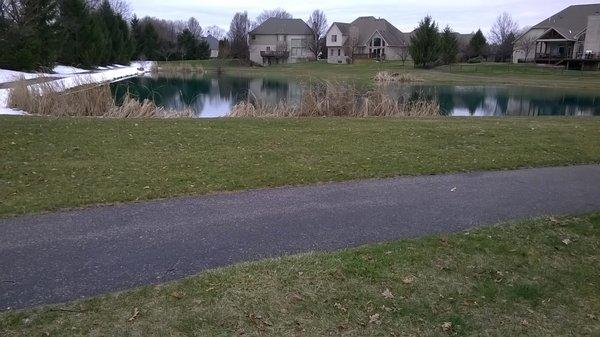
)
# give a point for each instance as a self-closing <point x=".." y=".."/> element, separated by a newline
<point x="57" y="257"/>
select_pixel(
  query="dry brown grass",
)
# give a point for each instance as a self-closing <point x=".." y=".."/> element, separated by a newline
<point x="178" y="68"/>
<point x="338" y="100"/>
<point x="50" y="99"/>
<point x="384" y="77"/>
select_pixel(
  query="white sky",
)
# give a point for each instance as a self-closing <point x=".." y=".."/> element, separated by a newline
<point x="463" y="16"/>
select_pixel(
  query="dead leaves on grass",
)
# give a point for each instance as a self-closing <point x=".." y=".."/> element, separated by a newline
<point x="447" y="327"/>
<point x="375" y="319"/>
<point x="387" y="294"/>
<point x="136" y="313"/>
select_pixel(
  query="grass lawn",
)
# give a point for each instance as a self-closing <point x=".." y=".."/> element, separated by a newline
<point x="52" y="163"/>
<point x="363" y="72"/>
<point x="536" y="278"/>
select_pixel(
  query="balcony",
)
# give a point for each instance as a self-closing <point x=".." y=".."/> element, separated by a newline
<point x="275" y="54"/>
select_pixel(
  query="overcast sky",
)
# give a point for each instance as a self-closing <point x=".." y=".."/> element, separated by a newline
<point x="463" y="16"/>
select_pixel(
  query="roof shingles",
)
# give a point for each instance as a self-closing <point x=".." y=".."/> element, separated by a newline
<point x="277" y="26"/>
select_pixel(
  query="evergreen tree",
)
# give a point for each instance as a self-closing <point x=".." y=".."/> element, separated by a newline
<point x="192" y="48"/>
<point x="448" y="46"/>
<point x="150" y="43"/>
<point x="187" y="45"/>
<point x="424" y="45"/>
<point x="203" y="50"/>
<point x="478" y="44"/>
<point x="137" y="38"/>
<point x="29" y="35"/>
<point x="74" y="22"/>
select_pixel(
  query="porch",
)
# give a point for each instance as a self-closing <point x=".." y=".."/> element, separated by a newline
<point x="274" y="56"/>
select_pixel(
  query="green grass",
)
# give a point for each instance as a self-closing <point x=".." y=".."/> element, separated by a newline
<point x="52" y="163"/>
<point x="509" y="280"/>
<point x="363" y="72"/>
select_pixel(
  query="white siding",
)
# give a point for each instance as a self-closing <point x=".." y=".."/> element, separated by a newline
<point x="518" y="53"/>
<point x="297" y="46"/>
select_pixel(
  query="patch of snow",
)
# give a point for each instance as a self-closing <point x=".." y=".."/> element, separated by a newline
<point x="66" y="70"/>
<point x="74" y="80"/>
<point x="11" y="75"/>
<point x="9" y="111"/>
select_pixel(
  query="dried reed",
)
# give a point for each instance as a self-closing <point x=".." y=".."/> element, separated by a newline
<point x="50" y="99"/>
<point x="385" y="77"/>
<point x="335" y="100"/>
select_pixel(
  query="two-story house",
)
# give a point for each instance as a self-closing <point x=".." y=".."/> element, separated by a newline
<point x="280" y="41"/>
<point x="365" y="37"/>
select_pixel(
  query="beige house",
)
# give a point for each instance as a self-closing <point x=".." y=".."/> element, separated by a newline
<point x="280" y="41"/>
<point x="569" y="37"/>
<point x="365" y="37"/>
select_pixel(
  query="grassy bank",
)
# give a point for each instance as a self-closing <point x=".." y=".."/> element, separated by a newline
<point x="363" y="72"/>
<point x="51" y="163"/>
<point x="536" y="278"/>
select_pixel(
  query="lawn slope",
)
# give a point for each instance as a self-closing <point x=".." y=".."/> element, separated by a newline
<point x="52" y="163"/>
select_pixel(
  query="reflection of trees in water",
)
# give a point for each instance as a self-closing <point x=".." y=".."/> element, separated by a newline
<point x="202" y="91"/>
<point x="498" y="101"/>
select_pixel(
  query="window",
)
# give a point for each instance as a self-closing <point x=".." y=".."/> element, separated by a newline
<point x="268" y="48"/>
<point x="339" y="52"/>
<point x="333" y="38"/>
<point x="331" y="52"/>
<point x="253" y="37"/>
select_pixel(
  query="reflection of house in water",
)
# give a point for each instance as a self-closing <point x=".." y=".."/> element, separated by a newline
<point x="273" y="91"/>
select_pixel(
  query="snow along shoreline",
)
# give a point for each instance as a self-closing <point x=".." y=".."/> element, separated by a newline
<point x="70" y="77"/>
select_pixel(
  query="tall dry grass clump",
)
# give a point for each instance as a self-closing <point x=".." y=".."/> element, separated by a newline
<point x="177" y="68"/>
<point x="50" y="99"/>
<point x="386" y="77"/>
<point x="339" y="100"/>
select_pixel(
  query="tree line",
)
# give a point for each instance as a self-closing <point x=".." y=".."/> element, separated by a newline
<point x="37" y="34"/>
<point x="430" y="47"/>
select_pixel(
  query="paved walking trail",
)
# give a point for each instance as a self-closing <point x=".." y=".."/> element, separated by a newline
<point x="56" y="257"/>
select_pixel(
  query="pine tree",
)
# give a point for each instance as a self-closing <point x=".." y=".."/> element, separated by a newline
<point x="150" y="43"/>
<point x="137" y="38"/>
<point x="424" y="45"/>
<point x="448" y="46"/>
<point x="478" y="44"/>
<point x="74" y="21"/>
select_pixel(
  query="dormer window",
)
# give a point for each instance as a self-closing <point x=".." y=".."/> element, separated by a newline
<point x="333" y="38"/>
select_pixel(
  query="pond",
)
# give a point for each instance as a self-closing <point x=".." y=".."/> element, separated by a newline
<point x="214" y="96"/>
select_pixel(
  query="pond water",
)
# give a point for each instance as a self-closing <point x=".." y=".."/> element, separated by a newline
<point x="214" y="96"/>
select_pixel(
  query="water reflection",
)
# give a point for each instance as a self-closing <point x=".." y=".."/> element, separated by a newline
<point x="214" y="96"/>
<point x="507" y="101"/>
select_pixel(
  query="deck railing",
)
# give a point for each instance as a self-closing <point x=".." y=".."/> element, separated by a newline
<point x="275" y="54"/>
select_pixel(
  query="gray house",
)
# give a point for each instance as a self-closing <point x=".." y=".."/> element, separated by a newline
<point x="280" y="41"/>
<point x="571" y="36"/>
<point x="213" y="43"/>
<point x="365" y="37"/>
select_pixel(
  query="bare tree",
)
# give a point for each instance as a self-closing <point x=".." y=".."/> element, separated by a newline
<point x="216" y="31"/>
<point x="527" y="44"/>
<point x="271" y="13"/>
<point x="238" y="35"/>
<point x="503" y="33"/>
<point x="403" y="53"/>
<point x="352" y="44"/>
<point x="502" y="28"/>
<point x="318" y="23"/>
<point x="194" y="27"/>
